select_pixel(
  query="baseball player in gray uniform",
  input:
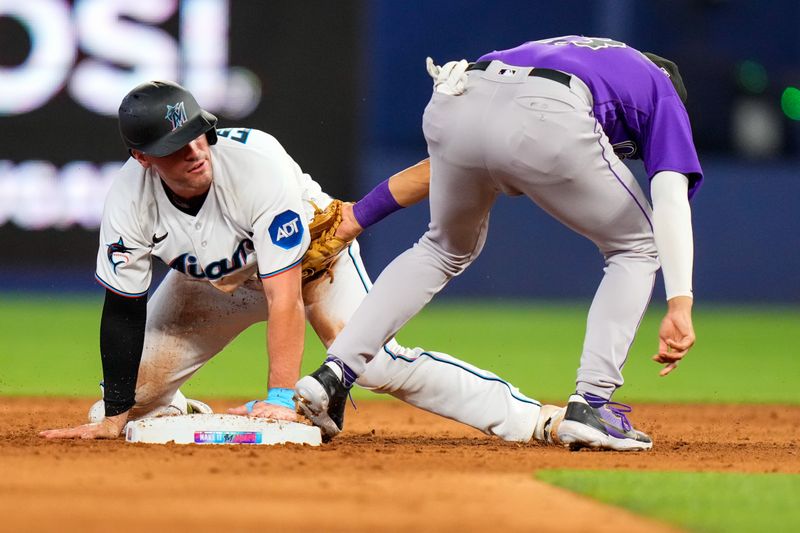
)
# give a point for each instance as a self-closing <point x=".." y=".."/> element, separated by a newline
<point x="552" y="120"/>
<point x="228" y="211"/>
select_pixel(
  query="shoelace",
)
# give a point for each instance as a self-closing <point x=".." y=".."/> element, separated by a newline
<point x="340" y="364"/>
<point x="352" y="401"/>
<point x="617" y="408"/>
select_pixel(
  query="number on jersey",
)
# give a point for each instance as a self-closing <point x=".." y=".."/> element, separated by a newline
<point x="595" y="43"/>
<point x="234" y="134"/>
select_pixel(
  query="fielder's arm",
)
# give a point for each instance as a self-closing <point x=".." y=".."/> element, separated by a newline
<point x="411" y="185"/>
<point x="121" y="341"/>
<point x="403" y="189"/>
<point x="672" y="227"/>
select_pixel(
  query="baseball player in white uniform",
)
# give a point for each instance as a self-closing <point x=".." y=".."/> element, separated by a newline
<point x="552" y="120"/>
<point x="228" y="211"/>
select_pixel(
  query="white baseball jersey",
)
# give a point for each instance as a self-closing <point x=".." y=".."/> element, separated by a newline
<point x="253" y="221"/>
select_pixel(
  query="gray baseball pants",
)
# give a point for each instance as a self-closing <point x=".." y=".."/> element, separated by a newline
<point x="516" y="134"/>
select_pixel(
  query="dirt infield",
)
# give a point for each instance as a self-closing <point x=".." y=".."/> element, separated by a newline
<point x="395" y="469"/>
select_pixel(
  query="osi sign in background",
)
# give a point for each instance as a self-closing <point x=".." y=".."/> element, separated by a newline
<point x="65" y="66"/>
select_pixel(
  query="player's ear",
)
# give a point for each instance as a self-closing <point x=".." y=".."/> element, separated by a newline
<point x="141" y="158"/>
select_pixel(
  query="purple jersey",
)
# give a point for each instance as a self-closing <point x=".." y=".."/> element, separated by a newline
<point x="634" y="100"/>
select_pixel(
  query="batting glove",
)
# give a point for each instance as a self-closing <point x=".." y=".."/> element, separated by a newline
<point x="450" y="78"/>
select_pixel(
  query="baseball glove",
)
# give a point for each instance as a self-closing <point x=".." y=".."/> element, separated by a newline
<point x="325" y="246"/>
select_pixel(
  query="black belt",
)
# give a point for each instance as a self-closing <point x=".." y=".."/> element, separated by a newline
<point x="555" y="75"/>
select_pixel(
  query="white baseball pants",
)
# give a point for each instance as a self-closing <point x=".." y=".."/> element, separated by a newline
<point x="189" y="322"/>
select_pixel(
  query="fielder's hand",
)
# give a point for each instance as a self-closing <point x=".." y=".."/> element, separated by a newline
<point x="325" y="243"/>
<point x="450" y="78"/>
<point x="263" y="409"/>
<point x="676" y="334"/>
<point x="349" y="228"/>
<point x="108" y="428"/>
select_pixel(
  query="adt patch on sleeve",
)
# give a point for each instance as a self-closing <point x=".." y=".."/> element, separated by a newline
<point x="286" y="230"/>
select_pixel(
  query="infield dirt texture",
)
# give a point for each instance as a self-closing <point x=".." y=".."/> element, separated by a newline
<point x="394" y="469"/>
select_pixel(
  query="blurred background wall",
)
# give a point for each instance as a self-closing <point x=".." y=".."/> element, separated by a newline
<point x="343" y="86"/>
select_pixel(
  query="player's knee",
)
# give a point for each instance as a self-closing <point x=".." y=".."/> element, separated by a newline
<point x="645" y="260"/>
<point x="647" y="246"/>
<point x="452" y="258"/>
<point x="648" y="251"/>
<point x="642" y="246"/>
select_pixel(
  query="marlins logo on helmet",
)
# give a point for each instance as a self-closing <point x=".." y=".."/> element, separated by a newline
<point x="176" y="114"/>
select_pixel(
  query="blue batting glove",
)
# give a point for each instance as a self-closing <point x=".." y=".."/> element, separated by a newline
<point x="249" y="405"/>
<point x="282" y="397"/>
<point x="275" y="396"/>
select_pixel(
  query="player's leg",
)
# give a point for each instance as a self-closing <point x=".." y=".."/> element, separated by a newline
<point x="461" y="197"/>
<point x="446" y="386"/>
<point x="576" y="177"/>
<point x="617" y="309"/>
<point x="188" y="322"/>
<point x="565" y="163"/>
<point x="623" y="233"/>
<point x="459" y="220"/>
<point x="433" y="381"/>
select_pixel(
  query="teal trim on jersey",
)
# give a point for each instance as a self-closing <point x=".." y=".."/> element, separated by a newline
<point x="117" y="291"/>
<point x="437" y="359"/>
<point x="265" y="276"/>
<point x="358" y="271"/>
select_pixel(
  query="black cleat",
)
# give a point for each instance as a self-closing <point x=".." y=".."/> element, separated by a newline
<point x="321" y="397"/>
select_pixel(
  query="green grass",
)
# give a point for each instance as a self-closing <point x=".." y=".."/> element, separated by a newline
<point x="699" y="501"/>
<point x="49" y="346"/>
<point x="743" y="354"/>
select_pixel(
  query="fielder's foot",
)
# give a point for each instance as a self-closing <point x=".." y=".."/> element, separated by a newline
<point x="546" y="430"/>
<point x="598" y="423"/>
<point x="321" y="397"/>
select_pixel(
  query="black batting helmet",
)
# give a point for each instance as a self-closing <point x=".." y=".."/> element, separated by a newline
<point x="161" y="117"/>
<point x="672" y="69"/>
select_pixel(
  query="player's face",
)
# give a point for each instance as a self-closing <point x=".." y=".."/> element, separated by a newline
<point x="186" y="172"/>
